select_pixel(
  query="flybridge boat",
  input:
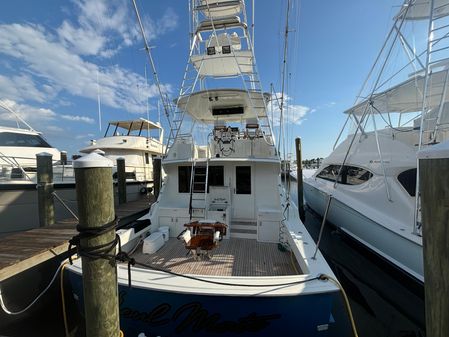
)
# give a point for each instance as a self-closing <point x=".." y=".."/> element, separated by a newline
<point x="369" y="184"/>
<point x="222" y="251"/>
<point x="131" y="140"/>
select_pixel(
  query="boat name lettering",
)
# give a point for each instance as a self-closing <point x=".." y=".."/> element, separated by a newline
<point x="194" y="316"/>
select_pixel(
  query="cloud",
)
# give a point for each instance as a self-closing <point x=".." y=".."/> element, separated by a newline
<point x="21" y="87"/>
<point x="103" y="27"/>
<point x="60" y="69"/>
<point x="85" y="136"/>
<point x="28" y="113"/>
<point x="83" y="119"/>
<point x="53" y="130"/>
<point x="293" y="113"/>
<point x="82" y="41"/>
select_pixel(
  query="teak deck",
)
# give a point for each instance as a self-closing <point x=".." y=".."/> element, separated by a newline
<point x="233" y="257"/>
<point x="24" y="250"/>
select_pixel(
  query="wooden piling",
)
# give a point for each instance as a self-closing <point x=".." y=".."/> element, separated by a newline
<point x="63" y="157"/>
<point x="157" y="167"/>
<point x="299" y="182"/>
<point x="121" y="180"/>
<point x="45" y="189"/>
<point x="95" y="196"/>
<point x="434" y="190"/>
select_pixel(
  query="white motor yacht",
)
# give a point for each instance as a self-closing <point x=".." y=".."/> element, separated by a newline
<point x="368" y="186"/>
<point x="132" y="140"/>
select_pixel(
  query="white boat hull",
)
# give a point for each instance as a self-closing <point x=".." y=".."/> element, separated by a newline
<point x="396" y="249"/>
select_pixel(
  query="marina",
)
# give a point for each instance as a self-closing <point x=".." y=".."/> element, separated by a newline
<point x="209" y="205"/>
<point x="130" y="140"/>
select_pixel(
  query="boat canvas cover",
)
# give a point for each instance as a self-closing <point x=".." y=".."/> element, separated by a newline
<point x="406" y="96"/>
<point x="420" y="9"/>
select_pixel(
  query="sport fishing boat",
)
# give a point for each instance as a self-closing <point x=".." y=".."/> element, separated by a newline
<point x="222" y="251"/>
<point x="368" y="186"/>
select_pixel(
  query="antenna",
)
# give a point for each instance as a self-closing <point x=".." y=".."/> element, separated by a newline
<point x="148" y="112"/>
<point x="159" y="115"/>
<point x="98" y="101"/>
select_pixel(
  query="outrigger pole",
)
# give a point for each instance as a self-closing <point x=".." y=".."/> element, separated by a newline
<point x="165" y="100"/>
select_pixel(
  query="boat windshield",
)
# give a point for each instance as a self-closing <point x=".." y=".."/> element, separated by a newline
<point x="22" y="140"/>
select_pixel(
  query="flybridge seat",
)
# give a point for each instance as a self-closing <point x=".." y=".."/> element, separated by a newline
<point x="219" y="8"/>
<point x="225" y="134"/>
<point x="222" y="43"/>
<point x="225" y="63"/>
<point x="253" y="131"/>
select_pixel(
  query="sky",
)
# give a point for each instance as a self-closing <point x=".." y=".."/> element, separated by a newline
<point x="57" y="57"/>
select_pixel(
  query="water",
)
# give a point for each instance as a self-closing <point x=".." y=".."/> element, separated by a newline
<point x="384" y="302"/>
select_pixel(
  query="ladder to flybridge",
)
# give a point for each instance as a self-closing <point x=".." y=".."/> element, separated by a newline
<point x="199" y="180"/>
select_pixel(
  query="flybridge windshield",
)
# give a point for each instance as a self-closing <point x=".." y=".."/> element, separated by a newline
<point x="19" y="139"/>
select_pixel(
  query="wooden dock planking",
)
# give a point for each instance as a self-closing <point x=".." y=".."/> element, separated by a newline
<point x="25" y="250"/>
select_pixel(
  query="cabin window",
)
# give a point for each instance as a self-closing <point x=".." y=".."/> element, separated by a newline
<point x="215" y="178"/>
<point x="243" y="180"/>
<point x="19" y="139"/>
<point x="184" y="179"/>
<point x="408" y="181"/>
<point x="350" y="175"/>
<point x="329" y="172"/>
<point x="147" y="158"/>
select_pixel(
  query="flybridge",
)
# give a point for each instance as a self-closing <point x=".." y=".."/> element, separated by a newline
<point x="220" y="49"/>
